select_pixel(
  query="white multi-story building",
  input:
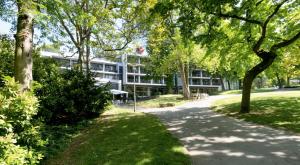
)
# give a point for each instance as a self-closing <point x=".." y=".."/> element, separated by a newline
<point x="104" y="71"/>
<point x="130" y="70"/>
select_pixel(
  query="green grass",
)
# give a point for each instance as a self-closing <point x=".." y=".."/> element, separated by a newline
<point x="252" y="91"/>
<point x="275" y="109"/>
<point x="123" y="137"/>
<point x="154" y="103"/>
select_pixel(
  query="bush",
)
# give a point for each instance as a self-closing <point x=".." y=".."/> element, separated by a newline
<point x="20" y="138"/>
<point x="70" y="97"/>
<point x="6" y="57"/>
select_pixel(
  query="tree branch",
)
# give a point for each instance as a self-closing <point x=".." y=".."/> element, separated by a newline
<point x="264" y="28"/>
<point x="285" y="43"/>
<point x="66" y="28"/>
<point x="252" y="21"/>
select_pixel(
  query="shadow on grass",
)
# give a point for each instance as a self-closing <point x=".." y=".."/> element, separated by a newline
<point x="279" y="112"/>
<point x="126" y="138"/>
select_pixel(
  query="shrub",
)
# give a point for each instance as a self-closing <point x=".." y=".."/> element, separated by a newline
<point x="20" y="138"/>
<point x="71" y="97"/>
<point x="6" y="57"/>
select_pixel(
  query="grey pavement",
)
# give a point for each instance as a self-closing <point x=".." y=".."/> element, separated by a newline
<point x="214" y="139"/>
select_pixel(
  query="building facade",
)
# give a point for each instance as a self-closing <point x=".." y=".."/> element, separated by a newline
<point x="129" y="70"/>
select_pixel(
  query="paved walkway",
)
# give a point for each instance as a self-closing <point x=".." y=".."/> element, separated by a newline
<point x="213" y="139"/>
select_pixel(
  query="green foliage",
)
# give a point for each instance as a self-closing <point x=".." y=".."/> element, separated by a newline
<point x="60" y="136"/>
<point x="6" y="57"/>
<point x="43" y="68"/>
<point x="70" y="97"/>
<point x="231" y="29"/>
<point x="20" y="138"/>
<point x="287" y="65"/>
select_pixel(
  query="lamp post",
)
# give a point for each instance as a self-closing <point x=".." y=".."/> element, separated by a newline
<point x="134" y="90"/>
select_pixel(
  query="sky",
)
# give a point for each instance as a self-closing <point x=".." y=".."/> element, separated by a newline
<point x="4" y="27"/>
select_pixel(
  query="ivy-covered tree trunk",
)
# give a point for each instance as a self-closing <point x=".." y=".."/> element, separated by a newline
<point x="23" y="50"/>
<point x="268" y="59"/>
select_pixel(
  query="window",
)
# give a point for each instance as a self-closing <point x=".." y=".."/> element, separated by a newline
<point x="145" y="79"/>
<point x="111" y="76"/>
<point x="206" y="82"/>
<point x="95" y="66"/>
<point x="158" y="81"/>
<point x="110" y="68"/>
<point x="216" y="82"/>
<point x="196" y="82"/>
<point x="142" y="70"/>
<point x="205" y="74"/>
<point x="100" y="75"/>
<point x="114" y="86"/>
<point x="130" y="78"/>
<point x="196" y="73"/>
<point x="130" y="69"/>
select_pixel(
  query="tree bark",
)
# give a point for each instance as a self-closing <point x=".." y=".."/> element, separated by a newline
<point x="88" y="52"/>
<point x="80" y="56"/>
<point x="288" y="81"/>
<point x="250" y="76"/>
<point x="222" y="84"/>
<point x="184" y="78"/>
<point x="23" y="50"/>
<point x="229" y="87"/>
<point x="240" y="84"/>
<point x="279" y="81"/>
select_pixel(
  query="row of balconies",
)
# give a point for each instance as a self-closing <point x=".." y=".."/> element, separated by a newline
<point x="68" y="63"/>
<point x="204" y="81"/>
<point x="197" y="77"/>
<point x="143" y="79"/>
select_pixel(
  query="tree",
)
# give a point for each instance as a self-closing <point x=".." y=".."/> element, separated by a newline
<point x="170" y="52"/>
<point x="286" y="66"/>
<point x="27" y="10"/>
<point x="102" y="26"/>
<point x="74" y="21"/>
<point x="24" y="40"/>
<point x="258" y="28"/>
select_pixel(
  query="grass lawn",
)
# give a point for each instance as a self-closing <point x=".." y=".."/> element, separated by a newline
<point x="276" y="109"/>
<point x="252" y="91"/>
<point x="123" y="137"/>
<point x="154" y="103"/>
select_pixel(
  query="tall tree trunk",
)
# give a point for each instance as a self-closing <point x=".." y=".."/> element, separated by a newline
<point x="23" y="50"/>
<point x="279" y="81"/>
<point x="222" y="83"/>
<point x="288" y="80"/>
<point x="88" y="52"/>
<point x="229" y="87"/>
<point x="80" y="56"/>
<point x="240" y="84"/>
<point x="184" y="78"/>
<point x="250" y="76"/>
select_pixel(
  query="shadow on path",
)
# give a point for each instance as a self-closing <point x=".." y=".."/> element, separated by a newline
<point x="214" y="139"/>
